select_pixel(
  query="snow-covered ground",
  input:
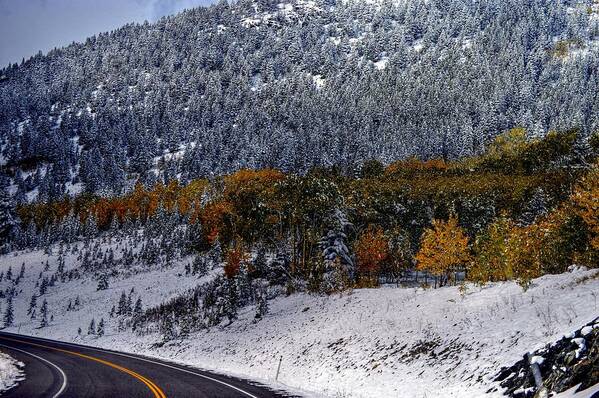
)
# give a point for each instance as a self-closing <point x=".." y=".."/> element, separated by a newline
<point x="386" y="342"/>
<point x="11" y="371"/>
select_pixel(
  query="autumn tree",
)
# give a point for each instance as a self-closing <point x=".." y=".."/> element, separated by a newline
<point x="401" y="256"/>
<point x="372" y="253"/>
<point x="586" y="199"/>
<point x="444" y="248"/>
<point x="217" y="221"/>
<point x="251" y="193"/>
<point x="490" y="253"/>
<point x="234" y="259"/>
<point x="523" y="247"/>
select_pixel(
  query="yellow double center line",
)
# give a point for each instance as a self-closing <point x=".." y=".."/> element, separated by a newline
<point x="158" y="393"/>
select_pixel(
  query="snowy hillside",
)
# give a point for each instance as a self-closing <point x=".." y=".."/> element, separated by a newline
<point x="401" y="342"/>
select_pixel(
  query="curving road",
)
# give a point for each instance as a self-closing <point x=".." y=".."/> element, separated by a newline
<point x="57" y="369"/>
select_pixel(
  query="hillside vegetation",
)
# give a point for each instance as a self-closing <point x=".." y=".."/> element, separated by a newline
<point x="522" y="209"/>
<point x="292" y="86"/>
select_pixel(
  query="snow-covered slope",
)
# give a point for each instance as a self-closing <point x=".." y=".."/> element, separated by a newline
<point x="11" y="372"/>
<point x="400" y="342"/>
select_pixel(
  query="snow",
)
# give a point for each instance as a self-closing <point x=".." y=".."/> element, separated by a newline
<point x="537" y="360"/>
<point x="381" y="63"/>
<point x="399" y="342"/>
<point x="74" y="189"/>
<point x="418" y="46"/>
<point x="11" y="372"/>
<point x="171" y="156"/>
<point x="586" y="330"/>
<point x="580" y="342"/>
<point x="319" y="81"/>
<point x="291" y="12"/>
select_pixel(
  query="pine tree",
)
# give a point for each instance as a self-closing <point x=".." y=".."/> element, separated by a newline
<point x="100" y="330"/>
<point x="138" y="310"/>
<point x="32" y="304"/>
<point x="7" y="217"/>
<point x="9" y="315"/>
<point x="44" y="314"/>
<point x="43" y="286"/>
<point x="129" y="303"/>
<point x="338" y="264"/>
<point x="102" y="282"/>
<point x="230" y="301"/>
<point x="91" y="330"/>
<point x="167" y="327"/>
<point x="262" y="303"/>
<point x="122" y="307"/>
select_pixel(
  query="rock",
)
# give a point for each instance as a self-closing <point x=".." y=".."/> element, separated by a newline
<point x="573" y="360"/>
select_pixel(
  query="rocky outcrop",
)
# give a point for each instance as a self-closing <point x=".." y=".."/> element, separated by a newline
<point x="571" y="361"/>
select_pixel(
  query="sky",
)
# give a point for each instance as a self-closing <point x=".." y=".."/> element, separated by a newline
<point x="28" y="26"/>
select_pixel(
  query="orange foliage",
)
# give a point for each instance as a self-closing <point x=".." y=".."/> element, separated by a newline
<point x="214" y="218"/>
<point x="372" y="251"/>
<point x="235" y="257"/>
<point x="258" y="180"/>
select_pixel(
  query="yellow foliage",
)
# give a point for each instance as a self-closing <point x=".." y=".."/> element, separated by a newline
<point x="509" y="143"/>
<point x="523" y="259"/>
<point x="444" y="248"/>
<point x="490" y="262"/>
<point x="586" y="198"/>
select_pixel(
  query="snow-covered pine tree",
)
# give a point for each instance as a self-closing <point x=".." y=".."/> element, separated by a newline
<point x="102" y="282"/>
<point x="100" y="330"/>
<point x="43" y="286"/>
<point x="33" y="304"/>
<point x="9" y="315"/>
<point x="229" y="302"/>
<point x="124" y="306"/>
<point x="338" y="264"/>
<point x="167" y="327"/>
<point x="91" y="329"/>
<point x="44" y="314"/>
<point x="243" y="282"/>
<point x="536" y="207"/>
<point x="261" y="300"/>
<point x="7" y="218"/>
<point x="138" y="309"/>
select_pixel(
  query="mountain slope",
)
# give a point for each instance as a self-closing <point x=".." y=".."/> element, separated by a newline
<point x="294" y="85"/>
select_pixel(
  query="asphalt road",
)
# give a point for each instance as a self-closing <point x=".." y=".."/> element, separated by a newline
<point x="57" y="369"/>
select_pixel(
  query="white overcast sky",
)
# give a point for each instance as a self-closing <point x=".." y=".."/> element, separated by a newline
<point x="27" y="26"/>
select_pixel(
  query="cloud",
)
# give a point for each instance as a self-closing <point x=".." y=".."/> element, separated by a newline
<point x="159" y="8"/>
